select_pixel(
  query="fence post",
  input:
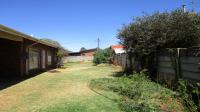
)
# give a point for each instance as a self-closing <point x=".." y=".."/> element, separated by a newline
<point x="178" y="63"/>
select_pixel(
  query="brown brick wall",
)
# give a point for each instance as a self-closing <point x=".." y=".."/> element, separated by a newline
<point x="40" y="47"/>
<point x="13" y="57"/>
<point x="87" y="54"/>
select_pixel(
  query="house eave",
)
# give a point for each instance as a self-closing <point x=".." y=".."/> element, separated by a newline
<point x="11" y="34"/>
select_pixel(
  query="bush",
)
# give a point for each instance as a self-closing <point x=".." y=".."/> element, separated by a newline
<point x="139" y="93"/>
<point x="189" y="93"/>
<point x="102" y="56"/>
<point x="146" y="35"/>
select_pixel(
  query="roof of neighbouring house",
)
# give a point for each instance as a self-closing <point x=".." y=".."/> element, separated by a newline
<point x="85" y="51"/>
<point x="22" y="35"/>
<point x="118" y="49"/>
<point x="117" y="46"/>
<point x="89" y="50"/>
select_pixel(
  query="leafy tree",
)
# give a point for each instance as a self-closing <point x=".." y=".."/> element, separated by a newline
<point x="102" y="56"/>
<point x="83" y="49"/>
<point x="147" y="34"/>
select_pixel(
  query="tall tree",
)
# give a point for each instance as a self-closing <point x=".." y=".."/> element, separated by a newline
<point x="83" y="49"/>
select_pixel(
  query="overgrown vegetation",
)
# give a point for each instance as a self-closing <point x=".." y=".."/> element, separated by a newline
<point x="102" y="56"/>
<point x="145" y="35"/>
<point x="139" y="93"/>
<point x="189" y="94"/>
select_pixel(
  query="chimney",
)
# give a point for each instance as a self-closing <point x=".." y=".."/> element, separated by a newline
<point x="184" y="8"/>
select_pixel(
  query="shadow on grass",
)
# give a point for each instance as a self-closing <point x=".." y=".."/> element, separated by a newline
<point x="8" y="81"/>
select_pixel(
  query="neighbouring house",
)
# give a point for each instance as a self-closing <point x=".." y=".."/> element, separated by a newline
<point x="119" y="54"/>
<point x="88" y="52"/>
<point x="74" y="54"/>
<point x="21" y="54"/>
<point x="118" y="49"/>
<point x="84" y="55"/>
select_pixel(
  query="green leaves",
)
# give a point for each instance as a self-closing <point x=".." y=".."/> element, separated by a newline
<point x="138" y="93"/>
<point x="149" y="33"/>
<point x="102" y="56"/>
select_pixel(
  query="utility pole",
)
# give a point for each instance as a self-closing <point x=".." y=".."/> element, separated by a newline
<point x="98" y="41"/>
<point x="184" y="8"/>
<point x="193" y="5"/>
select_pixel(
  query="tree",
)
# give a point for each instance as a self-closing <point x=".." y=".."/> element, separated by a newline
<point x="147" y="34"/>
<point x="102" y="56"/>
<point x="83" y="49"/>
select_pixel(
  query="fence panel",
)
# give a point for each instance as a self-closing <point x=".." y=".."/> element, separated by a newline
<point x="165" y="68"/>
<point x="185" y="64"/>
<point x="171" y="64"/>
<point x="189" y="62"/>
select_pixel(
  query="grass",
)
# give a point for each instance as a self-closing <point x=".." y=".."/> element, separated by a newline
<point x="140" y="94"/>
<point x="61" y="90"/>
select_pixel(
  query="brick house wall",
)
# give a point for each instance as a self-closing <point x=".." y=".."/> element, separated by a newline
<point x="89" y="54"/>
<point x="16" y="53"/>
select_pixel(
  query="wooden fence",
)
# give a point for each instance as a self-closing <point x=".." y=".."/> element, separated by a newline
<point x="120" y="60"/>
<point x="167" y="62"/>
<point x="171" y="64"/>
<point x="190" y="64"/>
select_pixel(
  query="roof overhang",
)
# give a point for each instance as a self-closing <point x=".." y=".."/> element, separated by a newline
<point x="9" y="36"/>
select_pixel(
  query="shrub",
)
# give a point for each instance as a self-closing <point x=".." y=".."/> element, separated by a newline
<point x="189" y="93"/>
<point x="146" y="35"/>
<point x="102" y="56"/>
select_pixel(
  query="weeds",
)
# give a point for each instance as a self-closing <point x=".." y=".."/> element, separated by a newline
<point x="139" y="93"/>
<point x="189" y="94"/>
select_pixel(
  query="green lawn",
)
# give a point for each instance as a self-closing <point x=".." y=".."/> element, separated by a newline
<point x="63" y="90"/>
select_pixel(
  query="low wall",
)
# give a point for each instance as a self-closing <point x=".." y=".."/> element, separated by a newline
<point x="77" y="58"/>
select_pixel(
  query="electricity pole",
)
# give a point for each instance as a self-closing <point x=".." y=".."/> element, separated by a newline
<point x="193" y="5"/>
<point x="98" y="41"/>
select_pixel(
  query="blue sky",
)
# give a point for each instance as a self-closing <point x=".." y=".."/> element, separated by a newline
<point x="78" y="23"/>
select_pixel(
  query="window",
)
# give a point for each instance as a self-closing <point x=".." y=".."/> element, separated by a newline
<point x="33" y="59"/>
<point x="49" y="58"/>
